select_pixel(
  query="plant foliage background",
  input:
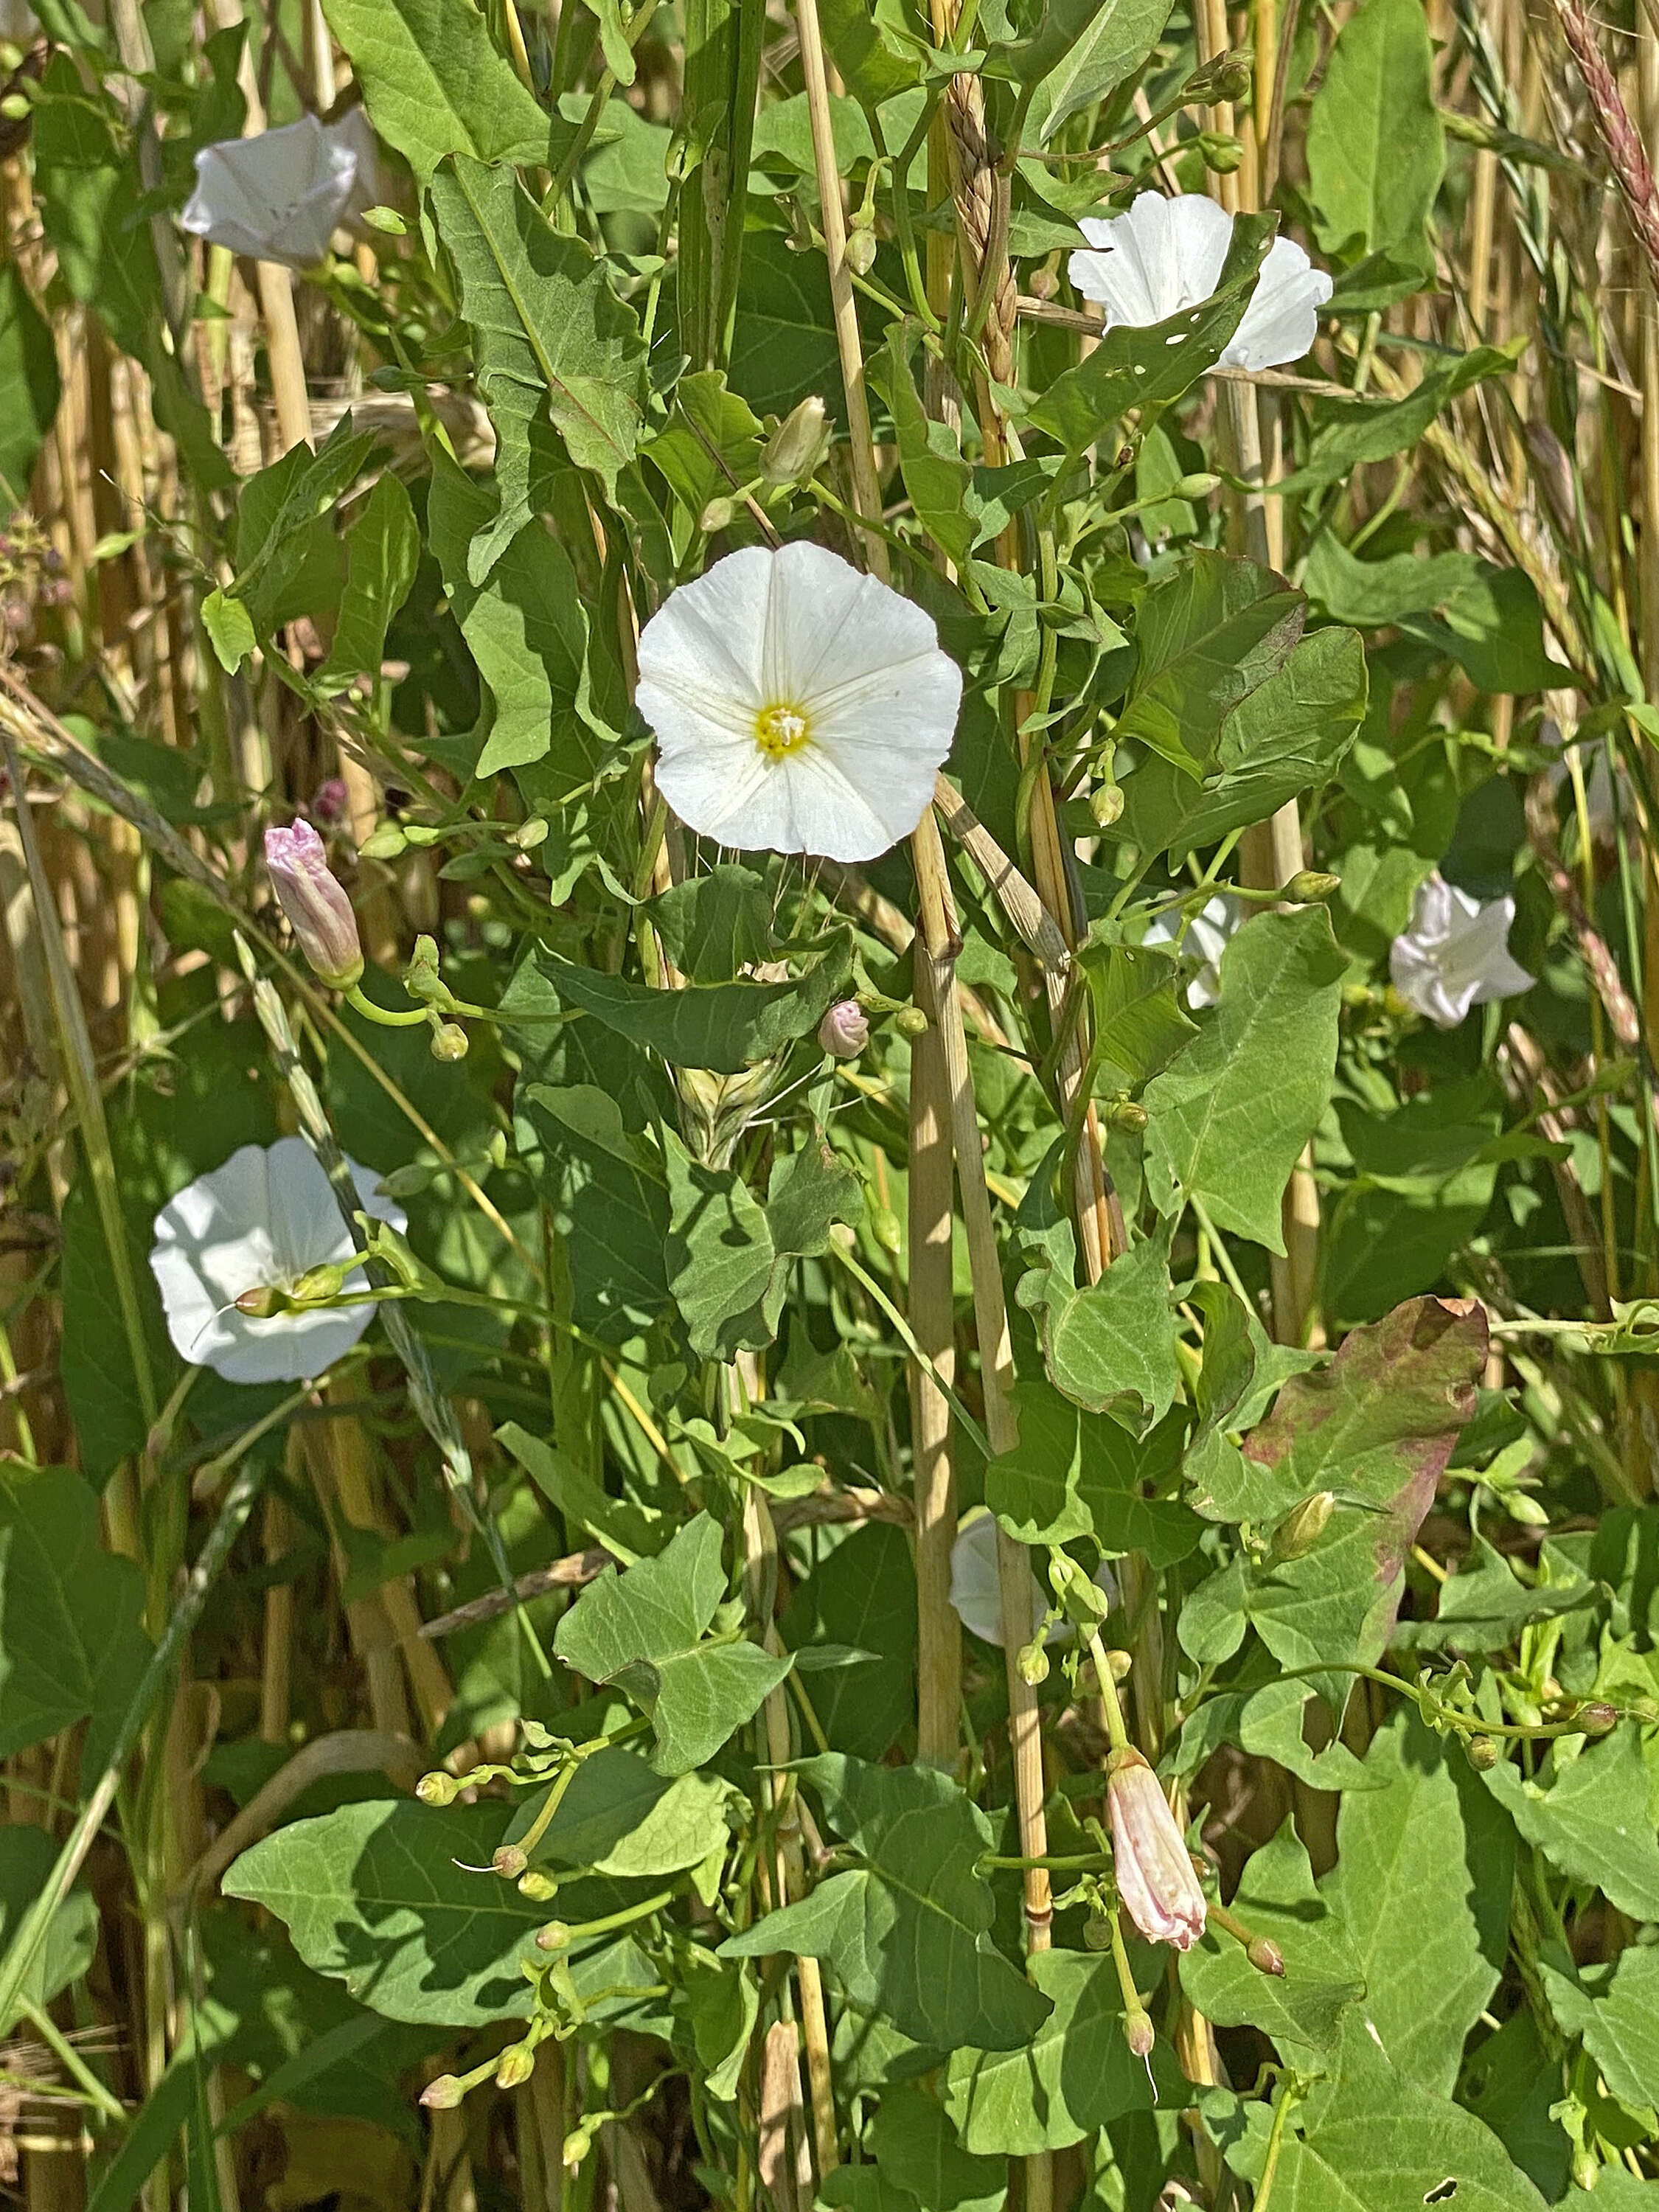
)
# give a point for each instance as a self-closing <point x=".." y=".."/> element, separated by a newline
<point x="1328" y="1330"/>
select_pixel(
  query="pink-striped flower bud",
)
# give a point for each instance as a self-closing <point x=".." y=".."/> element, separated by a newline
<point x="1154" y="1869"/>
<point x="845" y="1030"/>
<point x="319" y="912"/>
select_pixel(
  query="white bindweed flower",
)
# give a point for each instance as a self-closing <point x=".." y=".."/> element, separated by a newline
<point x="282" y="195"/>
<point x="798" y="707"/>
<point x="1163" y="255"/>
<point x="1455" y="954"/>
<point x="977" y="1594"/>
<point x="260" y="1222"/>
<point x="1205" y="939"/>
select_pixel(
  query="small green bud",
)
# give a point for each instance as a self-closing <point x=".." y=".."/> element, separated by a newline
<point x="421" y="978"/>
<point x="1521" y="1506"/>
<point x="885" y="1229"/>
<point x="14" y="106"/>
<point x="717" y="515"/>
<point x="1106" y="802"/>
<point x="386" y="841"/>
<point x="319" y="1284"/>
<point x="862" y="251"/>
<point x="1484" y="1753"/>
<point x="530" y="834"/>
<point x="1096" y="1932"/>
<point x="1138" y="2032"/>
<point x="422" y="835"/>
<point x="387" y="218"/>
<point x="515" y="2066"/>
<point x="1081" y="1599"/>
<point x="444" y="2094"/>
<point x="509" y="1861"/>
<point x="1198" y="486"/>
<point x="1302" y="1528"/>
<point x="1265" y="1955"/>
<point x="555" y="1937"/>
<point x="449" y="1042"/>
<point x="437" y="1788"/>
<point x="538" y="1887"/>
<point x="1125" y="1115"/>
<point x="1221" y="151"/>
<point x="1033" y="1663"/>
<point x="1226" y="77"/>
<point x="577" y="2144"/>
<point x="911" y="1021"/>
<point x="262" y="1303"/>
<point x="1308" y="885"/>
<point x="1598" y="1719"/>
<point x="795" y="450"/>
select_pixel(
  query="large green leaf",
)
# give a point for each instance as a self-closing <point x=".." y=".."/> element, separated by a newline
<point x="1591" y="1821"/>
<point x="1376" y="151"/>
<point x="387" y="1898"/>
<point x="1347" y="435"/>
<point x="1111" y="1346"/>
<point x="28" y="385"/>
<point x="1616" y="2011"/>
<point x="618" y="1817"/>
<point x="1073" y="2075"/>
<point x="728" y="1256"/>
<point x="646" y="1631"/>
<point x="382" y="551"/>
<point x="546" y="329"/>
<point x="72" y="1642"/>
<point x="435" y="84"/>
<point x="1421" y="1891"/>
<point x="1083" y="51"/>
<point x="1303" y="2010"/>
<point x="906" y="1932"/>
<point x="723" y="1026"/>
<point x="1228" y="1116"/>
<point x="1145" y="368"/>
<point x="917" y="2149"/>
<point x="1208" y="634"/>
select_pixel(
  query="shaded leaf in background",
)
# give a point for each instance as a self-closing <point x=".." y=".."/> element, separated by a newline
<point x="1303" y="2010"/>
<point x="28" y="385"/>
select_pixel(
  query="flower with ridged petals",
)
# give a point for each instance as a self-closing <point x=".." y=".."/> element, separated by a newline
<point x="1457" y="953"/>
<point x="281" y="195"/>
<point x="1162" y="255"/>
<point x="260" y="1224"/>
<point x="1150" y="1858"/>
<point x="799" y="706"/>
<point x="1204" y="939"/>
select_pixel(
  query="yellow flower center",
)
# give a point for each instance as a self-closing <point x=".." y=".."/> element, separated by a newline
<point x="780" y="730"/>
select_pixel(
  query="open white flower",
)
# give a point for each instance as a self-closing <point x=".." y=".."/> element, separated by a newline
<point x="260" y="1222"/>
<point x="975" y="1593"/>
<point x="1455" y="954"/>
<point x="282" y="195"/>
<point x="1205" y="939"/>
<point x="799" y="706"/>
<point x="1162" y="255"/>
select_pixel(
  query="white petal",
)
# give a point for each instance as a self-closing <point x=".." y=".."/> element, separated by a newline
<point x="827" y="625"/>
<point x="977" y="1593"/>
<point x="1282" y="319"/>
<point x="704" y="644"/>
<point x="729" y="790"/>
<point x="1158" y="256"/>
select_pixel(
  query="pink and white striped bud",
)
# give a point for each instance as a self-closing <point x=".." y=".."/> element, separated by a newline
<point x="845" y="1031"/>
<point x="1154" y="1869"/>
<point x="319" y="912"/>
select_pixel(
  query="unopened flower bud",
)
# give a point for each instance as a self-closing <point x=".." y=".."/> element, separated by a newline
<point x="861" y="251"/>
<point x="1198" y="486"/>
<point x="1096" y="1932"/>
<point x="1227" y="76"/>
<point x="886" y="1228"/>
<point x="845" y="1030"/>
<point x="1082" y="1599"/>
<point x="515" y="2066"/>
<point x="319" y="912"/>
<point x="530" y="834"/>
<point x="911" y="1021"/>
<point x="1521" y="1507"/>
<point x="329" y="800"/>
<point x="1308" y="885"/>
<point x="509" y="1861"/>
<point x="444" y="2094"/>
<point x="261" y="1303"/>
<point x="538" y="1887"/>
<point x="1597" y="1719"/>
<point x="437" y="1788"/>
<point x="1106" y="802"/>
<point x="1154" y="1869"/>
<point x="577" y="2144"/>
<point x="1302" y="1528"/>
<point x="318" y="1284"/>
<point x="1044" y="284"/>
<point x="421" y="978"/>
<point x="555" y="1937"/>
<point x="449" y="1042"/>
<point x="1484" y="1753"/>
<point x="1033" y="1663"/>
<point x="1125" y="1115"/>
<point x="793" y="452"/>
<point x="1221" y="151"/>
<point x="1138" y="2032"/>
<point x="386" y="841"/>
<point x="717" y="515"/>
<point x="1265" y="1955"/>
